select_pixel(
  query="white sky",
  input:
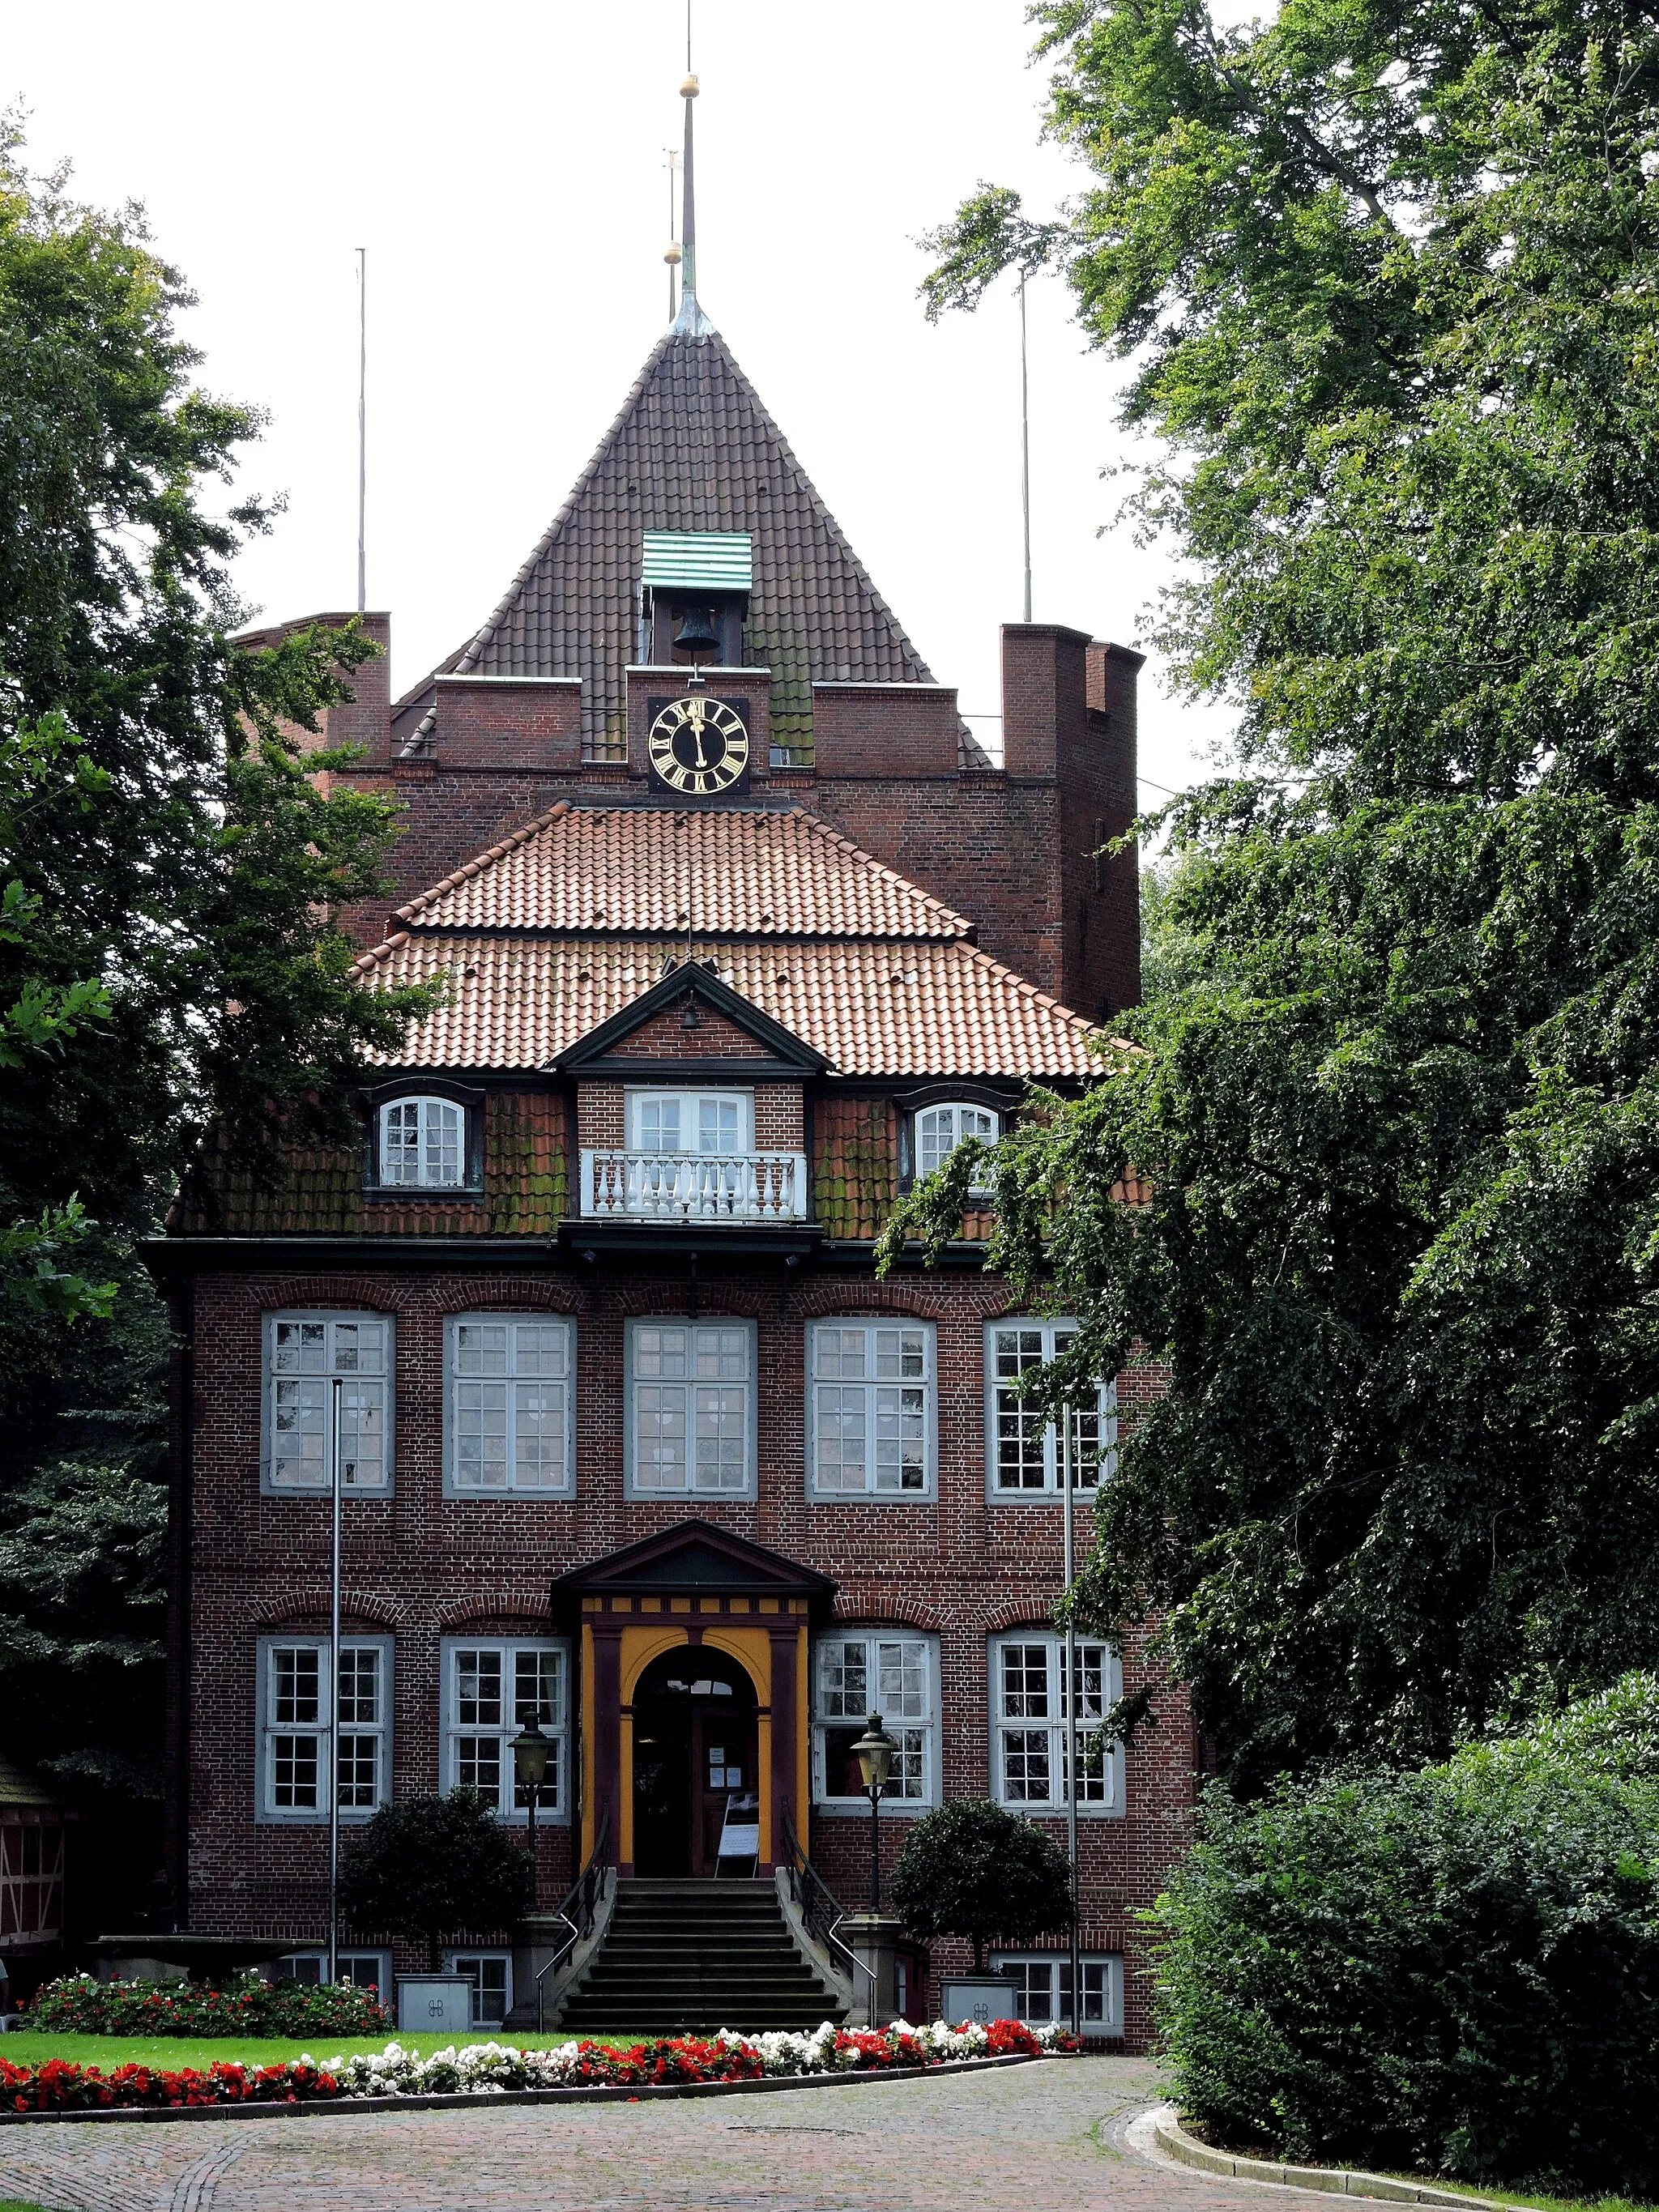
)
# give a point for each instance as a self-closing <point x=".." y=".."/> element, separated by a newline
<point x="504" y="166"/>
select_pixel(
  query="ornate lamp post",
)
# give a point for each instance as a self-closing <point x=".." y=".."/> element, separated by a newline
<point x="874" y="1752"/>
<point x="530" y="1750"/>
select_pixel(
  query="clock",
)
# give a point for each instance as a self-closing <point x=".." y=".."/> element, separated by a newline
<point x="699" y="746"/>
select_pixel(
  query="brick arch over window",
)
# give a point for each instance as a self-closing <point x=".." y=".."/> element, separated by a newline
<point x="499" y="1613"/>
<point x="881" y="1608"/>
<point x="302" y="1607"/>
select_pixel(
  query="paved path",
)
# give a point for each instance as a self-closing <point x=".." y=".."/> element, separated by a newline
<point x="1050" y="2137"/>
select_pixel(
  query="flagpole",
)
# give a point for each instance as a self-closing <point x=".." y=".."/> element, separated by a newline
<point x="362" y="428"/>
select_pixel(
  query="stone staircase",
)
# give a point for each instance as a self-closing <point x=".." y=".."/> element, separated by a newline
<point x="683" y="1956"/>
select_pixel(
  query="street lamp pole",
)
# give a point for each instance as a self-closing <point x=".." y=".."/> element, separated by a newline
<point x="1068" y="1705"/>
<point x="335" y="1400"/>
<point x="874" y="1752"/>
<point x="530" y="1754"/>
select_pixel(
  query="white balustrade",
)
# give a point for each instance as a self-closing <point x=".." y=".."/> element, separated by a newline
<point x="694" y="1186"/>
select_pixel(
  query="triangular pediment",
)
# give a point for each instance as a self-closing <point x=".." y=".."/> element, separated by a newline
<point x="695" y="1555"/>
<point x="691" y="1015"/>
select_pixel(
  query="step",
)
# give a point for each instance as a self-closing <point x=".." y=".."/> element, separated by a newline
<point x="683" y="1956"/>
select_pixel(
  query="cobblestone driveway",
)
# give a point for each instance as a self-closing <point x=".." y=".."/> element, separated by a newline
<point x="1041" y="2138"/>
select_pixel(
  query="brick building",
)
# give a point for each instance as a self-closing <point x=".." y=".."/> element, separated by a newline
<point x="740" y="930"/>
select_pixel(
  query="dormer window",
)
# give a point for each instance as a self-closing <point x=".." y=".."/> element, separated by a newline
<point x="423" y="1143"/>
<point x="940" y="1129"/>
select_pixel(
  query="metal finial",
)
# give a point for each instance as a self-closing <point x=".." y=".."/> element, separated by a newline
<point x="690" y="321"/>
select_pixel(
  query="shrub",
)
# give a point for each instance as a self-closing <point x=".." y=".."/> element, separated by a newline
<point x="431" y="1866"/>
<point x="1452" y="1971"/>
<point x="81" y="2006"/>
<point x="970" y="1869"/>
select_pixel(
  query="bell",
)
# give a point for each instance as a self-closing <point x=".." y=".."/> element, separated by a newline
<point x="696" y="637"/>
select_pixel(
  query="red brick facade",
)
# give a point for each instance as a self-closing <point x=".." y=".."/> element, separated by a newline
<point x="866" y="1012"/>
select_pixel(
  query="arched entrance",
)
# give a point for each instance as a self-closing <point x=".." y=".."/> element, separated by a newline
<point x="695" y="1750"/>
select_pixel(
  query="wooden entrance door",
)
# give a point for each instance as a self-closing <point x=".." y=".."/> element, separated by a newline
<point x="723" y="1757"/>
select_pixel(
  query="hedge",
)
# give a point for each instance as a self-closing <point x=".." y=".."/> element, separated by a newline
<point x="78" y="2005"/>
<point x="1453" y="1970"/>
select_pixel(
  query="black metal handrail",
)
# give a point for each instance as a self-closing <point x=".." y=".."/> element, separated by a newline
<point x="821" y="1911"/>
<point x="581" y="1908"/>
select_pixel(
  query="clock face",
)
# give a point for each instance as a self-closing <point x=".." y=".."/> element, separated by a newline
<point x="699" y="745"/>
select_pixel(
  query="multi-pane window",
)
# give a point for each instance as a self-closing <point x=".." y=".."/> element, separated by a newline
<point x="423" y="1143"/>
<point x="304" y="1354"/>
<point x="296" y="1720"/>
<point x="1042" y="1990"/>
<point x="490" y="1973"/>
<point x="681" y="1121"/>
<point x="510" y="1404"/>
<point x="492" y="1689"/>
<point x="1029" y="1718"/>
<point x="691" y="1406"/>
<point x="870" y="1672"/>
<point x="364" y="1970"/>
<point x="871" y="1392"/>
<point x="1026" y="1452"/>
<point x="940" y="1129"/>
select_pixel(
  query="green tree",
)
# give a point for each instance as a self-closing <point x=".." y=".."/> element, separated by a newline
<point x="169" y="874"/>
<point x="432" y="1867"/>
<point x="972" y="1869"/>
<point x="1387" y="277"/>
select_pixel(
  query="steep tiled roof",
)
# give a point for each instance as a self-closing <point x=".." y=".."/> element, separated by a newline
<point x="693" y="449"/>
<point x="909" y="1008"/>
<point x="651" y="871"/>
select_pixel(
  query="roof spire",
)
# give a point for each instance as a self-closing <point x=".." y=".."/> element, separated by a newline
<point x="690" y="322"/>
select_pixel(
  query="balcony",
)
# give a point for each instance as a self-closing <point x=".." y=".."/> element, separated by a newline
<point x="693" y="1186"/>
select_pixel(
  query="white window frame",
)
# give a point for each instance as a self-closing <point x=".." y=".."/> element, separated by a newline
<point x="690" y="1104"/>
<point x="874" y="1388"/>
<point x="350" y="1962"/>
<point x="959" y="1107"/>
<point x="458" y="1393"/>
<point x="551" y="1809"/>
<point x="1086" y="1480"/>
<point x="1102" y="1794"/>
<point x="900" y="1723"/>
<point x="315" y="1416"/>
<point x="270" y="1731"/>
<point x="634" y="1384"/>
<point x="1108" y="2021"/>
<point x="459" y="1960"/>
<point x="426" y="1102"/>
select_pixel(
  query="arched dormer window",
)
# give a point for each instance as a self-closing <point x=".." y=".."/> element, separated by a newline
<point x="423" y="1143"/>
<point x="940" y="1129"/>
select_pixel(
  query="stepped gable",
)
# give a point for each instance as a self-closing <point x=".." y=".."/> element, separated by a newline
<point x="692" y="449"/>
<point x="652" y="870"/>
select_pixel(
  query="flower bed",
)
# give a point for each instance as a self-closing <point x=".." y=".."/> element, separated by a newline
<point x="79" y="2005"/>
<point x="486" y="2069"/>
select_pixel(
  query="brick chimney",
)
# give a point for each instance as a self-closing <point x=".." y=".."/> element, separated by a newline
<point x="1068" y="729"/>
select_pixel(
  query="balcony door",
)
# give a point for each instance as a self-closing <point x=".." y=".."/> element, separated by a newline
<point x="687" y="1124"/>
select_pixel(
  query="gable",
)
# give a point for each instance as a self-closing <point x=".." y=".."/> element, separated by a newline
<point x="705" y="1036"/>
<point x="691" y="1015"/>
<point x="696" y="1555"/>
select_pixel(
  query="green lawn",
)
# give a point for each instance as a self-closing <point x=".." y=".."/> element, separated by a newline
<point x="1519" y="2196"/>
<point x="174" y="2051"/>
